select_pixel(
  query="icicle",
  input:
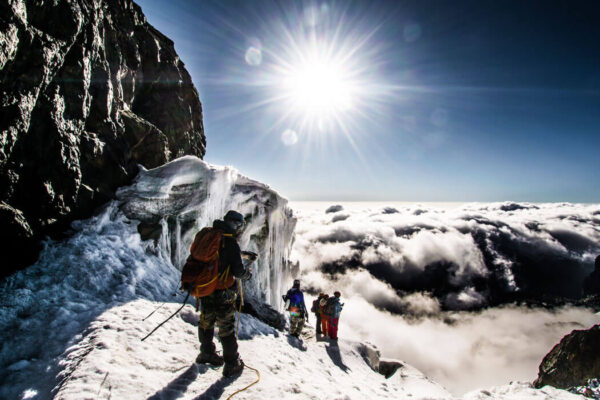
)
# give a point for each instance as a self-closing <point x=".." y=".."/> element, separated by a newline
<point x="188" y="194"/>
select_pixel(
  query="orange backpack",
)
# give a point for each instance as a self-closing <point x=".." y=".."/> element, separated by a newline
<point x="201" y="270"/>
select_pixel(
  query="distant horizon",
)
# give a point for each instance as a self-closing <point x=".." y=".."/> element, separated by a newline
<point x="436" y="201"/>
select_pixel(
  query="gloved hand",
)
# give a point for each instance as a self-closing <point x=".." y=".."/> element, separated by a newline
<point x="247" y="275"/>
<point x="249" y="255"/>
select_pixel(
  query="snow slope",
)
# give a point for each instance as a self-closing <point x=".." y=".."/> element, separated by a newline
<point x="47" y="308"/>
<point x="70" y="325"/>
<point x="116" y="363"/>
<point x="110" y="361"/>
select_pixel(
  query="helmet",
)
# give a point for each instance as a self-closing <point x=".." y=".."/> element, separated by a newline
<point x="296" y="283"/>
<point x="235" y="220"/>
<point x="337" y="294"/>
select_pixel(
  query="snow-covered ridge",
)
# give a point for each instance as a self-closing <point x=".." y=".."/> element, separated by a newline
<point x="187" y="194"/>
<point x="46" y="310"/>
<point x="70" y="326"/>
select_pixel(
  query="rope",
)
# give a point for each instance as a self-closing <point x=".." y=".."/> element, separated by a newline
<point x="241" y="287"/>
<point x="250" y="385"/>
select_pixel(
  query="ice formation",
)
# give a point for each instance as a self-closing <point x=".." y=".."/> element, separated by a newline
<point x="46" y="310"/>
<point x="187" y="194"/>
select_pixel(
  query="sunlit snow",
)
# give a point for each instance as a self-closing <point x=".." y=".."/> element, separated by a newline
<point x="71" y="324"/>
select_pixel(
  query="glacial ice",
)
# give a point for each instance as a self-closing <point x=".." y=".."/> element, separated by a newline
<point x="48" y="307"/>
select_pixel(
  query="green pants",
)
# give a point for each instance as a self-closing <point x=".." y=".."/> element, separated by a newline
<point x="296" y="324"/>
<point x="219" y="308"/>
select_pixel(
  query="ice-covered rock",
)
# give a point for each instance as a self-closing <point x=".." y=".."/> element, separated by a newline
<point x="47" y="309"/>
<point x="181" y="197"/>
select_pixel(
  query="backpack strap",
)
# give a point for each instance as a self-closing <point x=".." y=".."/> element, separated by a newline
<point x="223" y="277"/>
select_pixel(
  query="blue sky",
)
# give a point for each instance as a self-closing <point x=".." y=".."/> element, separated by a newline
<point x="408" y="101"/>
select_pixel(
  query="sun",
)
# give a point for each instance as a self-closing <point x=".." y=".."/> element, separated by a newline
<point x="319" y="88"/>
<point x="315" y="74"/>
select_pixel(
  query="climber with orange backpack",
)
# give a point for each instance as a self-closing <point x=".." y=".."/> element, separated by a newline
<point x="209" y="275"/>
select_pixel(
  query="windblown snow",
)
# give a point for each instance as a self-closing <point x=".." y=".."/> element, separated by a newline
<point x="70" y="325"/>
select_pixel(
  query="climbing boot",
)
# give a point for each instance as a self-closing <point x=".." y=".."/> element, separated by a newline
<point x="209" y="358"/>
<point x="234" y="368"/>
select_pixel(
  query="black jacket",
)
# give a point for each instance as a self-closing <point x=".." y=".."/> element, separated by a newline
<point x="230" y="253"/>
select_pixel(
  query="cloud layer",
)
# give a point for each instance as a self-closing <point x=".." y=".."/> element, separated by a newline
<point x="438" y="286"/>
<point x="465" y="257"/>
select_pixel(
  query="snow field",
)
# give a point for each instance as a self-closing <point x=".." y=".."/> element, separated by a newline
<point x="111" y="361"/>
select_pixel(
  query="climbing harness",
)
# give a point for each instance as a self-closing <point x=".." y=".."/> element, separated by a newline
<point x="250" y="385"/>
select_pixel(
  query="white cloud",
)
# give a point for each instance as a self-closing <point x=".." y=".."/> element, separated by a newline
<point x="462" y="350"/>
<point x="399" y="269"/>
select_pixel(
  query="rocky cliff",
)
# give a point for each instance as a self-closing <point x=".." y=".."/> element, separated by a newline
<point x="572" y="362"/>
<point x="88" y="91"/>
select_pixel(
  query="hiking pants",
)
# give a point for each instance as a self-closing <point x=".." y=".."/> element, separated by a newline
<point x="296" y="324"/>
<point x="333" y="327"/>
<point x="218" y="308"/>
<point x="318" y="327"/>
<point x="325" y="324"/>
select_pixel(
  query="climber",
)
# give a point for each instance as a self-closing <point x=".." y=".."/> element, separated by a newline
<point x="297" y="308"/>
<point x="219" y="306"/>
<point x="324" y="317"/>
<point x="316" y="309"/>
<point x="332" y="309"/>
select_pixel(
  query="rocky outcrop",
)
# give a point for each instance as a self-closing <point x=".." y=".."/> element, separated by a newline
<point x="88" y="90"/>
<point x="572" y="362"/>
<point x="591" y="284"/>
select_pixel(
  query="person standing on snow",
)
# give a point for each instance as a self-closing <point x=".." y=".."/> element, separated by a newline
<point x="333" y="308"/>
<point x="219" y="307"/>
<point x="324" y="317"/>
<point x="316" y="308"/>
<point x="297" y="308"/>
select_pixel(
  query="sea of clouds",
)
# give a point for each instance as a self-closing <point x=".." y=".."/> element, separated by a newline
<point x="472" y="294"/>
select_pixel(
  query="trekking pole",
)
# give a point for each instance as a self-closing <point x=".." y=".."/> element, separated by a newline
<point x="165" y="321"/>
<point x="155" y="310"/>
<point x="159" y="307"/>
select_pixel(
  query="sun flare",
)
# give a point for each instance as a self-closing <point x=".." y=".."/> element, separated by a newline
<point x="315" y="73"/>
<point x="319" y="88"/>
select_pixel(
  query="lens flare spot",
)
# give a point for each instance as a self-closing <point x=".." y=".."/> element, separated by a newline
<point x="253" y="56"/>
<point x="289" y="137"/>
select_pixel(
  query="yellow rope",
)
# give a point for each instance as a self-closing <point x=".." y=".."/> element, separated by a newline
<point x="241" y="287"/>
<point x="250" y="385"/>
<point x="237" y="328"/>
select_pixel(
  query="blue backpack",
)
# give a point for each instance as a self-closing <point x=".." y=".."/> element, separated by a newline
<point x="296" y="298"/>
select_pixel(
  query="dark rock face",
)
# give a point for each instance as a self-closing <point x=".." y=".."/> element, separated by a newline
<point x="591" y="284"/>
<point x="265" y="313"/>
<point x="573" y="361"/>
<point x="88" y="90"/>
